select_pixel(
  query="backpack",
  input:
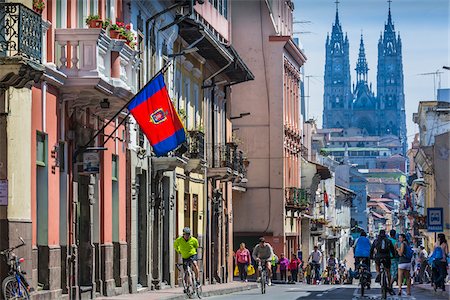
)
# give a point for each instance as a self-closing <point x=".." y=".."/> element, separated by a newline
<point x="438" y="253"/>
<point x="383" y="246"/>
<point x="408" y="252"/>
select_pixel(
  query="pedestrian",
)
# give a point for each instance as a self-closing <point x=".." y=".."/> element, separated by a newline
<point x="284" y="264"/>
<point x="243" y="258"/>
<point x="404" y="251"/>
<point x="274" y="263"/>
<point x="394" y="257"/>
<point x="294" y="265"/>
<point x="440" y="262"/>
<point x="423" y="256"/>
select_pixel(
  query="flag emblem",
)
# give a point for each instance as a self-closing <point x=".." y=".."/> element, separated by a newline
<point x="157" y="118"/>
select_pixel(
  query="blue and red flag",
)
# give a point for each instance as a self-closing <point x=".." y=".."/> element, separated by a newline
<point x="155" y="114"/>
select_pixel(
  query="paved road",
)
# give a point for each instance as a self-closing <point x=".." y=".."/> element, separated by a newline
<point x="327" y="292"/>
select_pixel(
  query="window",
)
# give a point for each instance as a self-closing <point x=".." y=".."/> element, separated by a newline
<point x="110" y="9"/>
<point x="115" y="168"/>
<point x="41" y="149"/>
<point x="197" y="106"/>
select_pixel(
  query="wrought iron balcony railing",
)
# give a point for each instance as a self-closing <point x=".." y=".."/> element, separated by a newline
<point x="20" y="32"/>
<point x="296" y="197"/>
<point x="196" y="141"/>
<point x="227" y="155"/>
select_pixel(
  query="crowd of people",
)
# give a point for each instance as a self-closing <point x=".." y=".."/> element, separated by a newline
<point x="404" y="260"/>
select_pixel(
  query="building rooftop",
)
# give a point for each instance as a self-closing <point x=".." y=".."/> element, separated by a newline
<point x="329" y="149"/>
<point x="329" y="130"/>
<point x="384" y="171"/>
<point x="354" y="139"/>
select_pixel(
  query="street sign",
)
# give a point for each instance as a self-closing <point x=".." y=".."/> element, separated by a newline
<point x="435" y="219"/>
<point x="3" y="192"/>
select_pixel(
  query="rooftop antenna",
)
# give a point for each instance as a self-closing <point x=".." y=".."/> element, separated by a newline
<point x="436" y="75"/>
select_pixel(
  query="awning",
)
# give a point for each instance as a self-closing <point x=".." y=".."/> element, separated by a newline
<point x="323" y="171"/>
<point x="212" y="49"/>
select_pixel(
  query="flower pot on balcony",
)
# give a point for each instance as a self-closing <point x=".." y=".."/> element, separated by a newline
<point x="95" y="24"/>
<point x="114" y="34"/>
<point x="122" y="37"/>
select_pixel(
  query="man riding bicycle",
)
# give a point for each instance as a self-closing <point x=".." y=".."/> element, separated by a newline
<point x="187" y="246"/>
<point x="362" y="253"/>
<point x="316" y="260"/>
<point x="263" y="252"/>
<point x="384" y="250"/>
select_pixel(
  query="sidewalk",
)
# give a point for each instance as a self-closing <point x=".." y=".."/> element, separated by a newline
<point x="177" y="293"/>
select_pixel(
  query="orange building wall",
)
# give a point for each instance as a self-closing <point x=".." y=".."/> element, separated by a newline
<point x="122" y="186"/>
<point x="106" y="194"/>
<point x="53" y="170"/>
<point x="36" y="121"/>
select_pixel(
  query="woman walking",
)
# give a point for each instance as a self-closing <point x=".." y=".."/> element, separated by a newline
<point x="440" y="262"/>
<point x="243" y="258"/>
<point x="284" y="263"/>
<point x="404" y="264"/>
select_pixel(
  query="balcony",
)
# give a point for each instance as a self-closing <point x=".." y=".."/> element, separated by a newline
<point x="227" y="161"/>
<point x="296" y="199"/>
<point x="196" y="151"/>
<point x="97" y="67"/>
<point x="20" y="45"/>
<point x="196" y="142"/>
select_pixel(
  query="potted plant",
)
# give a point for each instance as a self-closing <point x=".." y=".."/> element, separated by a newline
<point x="106" y="23"/>
<point x="38" y="6"/>
<point x="94" y="21"/>
<point x="116" y="29"/>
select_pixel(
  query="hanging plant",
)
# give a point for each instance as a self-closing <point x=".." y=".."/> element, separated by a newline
<point x="38" y="6"/>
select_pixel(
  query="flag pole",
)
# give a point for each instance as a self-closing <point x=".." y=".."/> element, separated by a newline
<point x="115" y="129"/>
<point x="163" y="69"/>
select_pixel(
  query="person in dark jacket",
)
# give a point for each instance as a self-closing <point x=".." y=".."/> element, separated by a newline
<point x="383" y="249"/>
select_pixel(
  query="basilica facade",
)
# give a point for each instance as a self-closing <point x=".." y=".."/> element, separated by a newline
<point x="356" y="107"/>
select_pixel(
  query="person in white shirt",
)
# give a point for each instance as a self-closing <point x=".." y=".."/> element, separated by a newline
<point x="316" y="261"/>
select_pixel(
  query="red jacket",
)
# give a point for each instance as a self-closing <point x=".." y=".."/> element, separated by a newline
<point x="293" y="265"/>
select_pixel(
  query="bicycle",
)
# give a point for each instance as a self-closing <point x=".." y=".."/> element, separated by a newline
<point x="315" y="272"/>
<point x="383" y="280"/>
<point x="15" y="286"/>
<point x="190" y="285"/>
<point x="263" y="276"/>
<point x="364" y="277"/>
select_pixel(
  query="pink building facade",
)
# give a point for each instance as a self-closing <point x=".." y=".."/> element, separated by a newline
<point x="273" y="131"/>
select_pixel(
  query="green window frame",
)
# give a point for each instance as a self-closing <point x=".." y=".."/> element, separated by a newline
<point x="41" y="149"/>
<point x="115" y="168"/>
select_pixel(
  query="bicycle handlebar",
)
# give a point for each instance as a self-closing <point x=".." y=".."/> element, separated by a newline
<point x="9" y="250"/>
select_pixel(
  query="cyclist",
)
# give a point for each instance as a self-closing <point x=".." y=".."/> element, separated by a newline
<point x="362" y="250"/>
<point x="384" y="249"/>
<point x="263" y="252"/>
<point x="362" y="253"/>
<point x="316" y="260"/>
<point x="187" y="246"/>
<point x="331" y="267"/>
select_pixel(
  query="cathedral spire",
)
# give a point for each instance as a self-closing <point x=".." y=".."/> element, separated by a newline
<point x="337" y="12"/>
<point x="361" y="66"/>
<point x="389" y="27"/>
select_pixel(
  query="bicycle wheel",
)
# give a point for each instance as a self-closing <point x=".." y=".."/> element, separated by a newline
<point x="189" y="283"/>
<point x="263" y="282"/>
<point x="13" y="290"/>
<point x="384" y="285"/>
<point x="362" y="282"/>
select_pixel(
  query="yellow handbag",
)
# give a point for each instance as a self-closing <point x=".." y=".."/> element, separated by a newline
<point x="250" y="270"/>
<point x="236" y="271"/>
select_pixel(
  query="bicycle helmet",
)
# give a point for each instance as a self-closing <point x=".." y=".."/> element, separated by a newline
<point x="186" y="230"/>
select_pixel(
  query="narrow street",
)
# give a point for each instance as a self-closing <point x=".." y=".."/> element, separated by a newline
<point x="303" y="291"/>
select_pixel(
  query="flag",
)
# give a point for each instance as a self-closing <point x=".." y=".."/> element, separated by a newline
<point x="155" y="114"/>
<point x="325" y="198"/>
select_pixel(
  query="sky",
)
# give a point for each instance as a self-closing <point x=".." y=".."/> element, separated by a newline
<point x="424" y="30"/>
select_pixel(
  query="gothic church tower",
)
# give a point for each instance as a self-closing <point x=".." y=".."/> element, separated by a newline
<point x="390" y="91"/>
<point x="337" y="90"/>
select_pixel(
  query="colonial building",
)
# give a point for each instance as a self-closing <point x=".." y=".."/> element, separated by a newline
<point x="271" y="128"/>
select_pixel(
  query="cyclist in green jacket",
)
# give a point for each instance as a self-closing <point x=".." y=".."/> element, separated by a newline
<point x="187" y="246"/>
